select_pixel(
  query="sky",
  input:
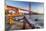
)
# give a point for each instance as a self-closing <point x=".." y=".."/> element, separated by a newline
<point x="35" y="6"/>
<point x="23" y="5"/>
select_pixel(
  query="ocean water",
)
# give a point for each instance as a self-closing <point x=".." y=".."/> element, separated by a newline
<point x="31" y="19"/>
<point x="39" y="22"/>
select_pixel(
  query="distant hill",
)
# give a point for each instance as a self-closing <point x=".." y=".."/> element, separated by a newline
<point x="37" y="13"/>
